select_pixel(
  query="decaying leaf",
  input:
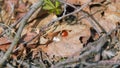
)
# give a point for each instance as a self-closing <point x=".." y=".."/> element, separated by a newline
<point x="68" y="45"/>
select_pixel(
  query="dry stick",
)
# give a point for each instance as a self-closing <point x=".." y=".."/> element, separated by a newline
<point x="96" y="22"/>
<point x="10" y="66"/>
<point x="104" y="63"/>
<point x="12" y="6"/>
<point x="92" y="22"/>
<point x="93" y="25"/>
<point x="68" y="4"/>
<point x="1" y="16"/>
<point x="26" y="42"/>
<point x="17" y="37"/>
<point x="11" y="26"/>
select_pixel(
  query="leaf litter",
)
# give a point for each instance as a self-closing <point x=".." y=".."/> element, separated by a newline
<point x="62" y="40"/>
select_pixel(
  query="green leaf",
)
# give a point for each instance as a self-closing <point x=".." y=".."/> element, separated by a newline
<point x="52" y="11"/>
<point x="58" y="11"/>
<point x="48" y="2"/>
<point x="53" y="7"/>
<point x="57" y="3"/>
<point x="47" y="7"/>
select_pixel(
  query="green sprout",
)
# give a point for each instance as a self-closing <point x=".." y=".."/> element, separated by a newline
<point x="52" y="7"/>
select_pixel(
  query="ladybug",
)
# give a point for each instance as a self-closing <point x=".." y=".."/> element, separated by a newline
<point x="64" y="33"/>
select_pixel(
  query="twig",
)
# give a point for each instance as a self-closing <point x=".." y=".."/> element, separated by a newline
<point x="57" y="19"/>
<point x="105" y="63"/>
<point x="1" y="16"/>
<point x="26" y="42"/>
<point x="17" y="37"/>
<point x="6" y="26"/>
<point x="96" y="22"/>
<point x="94" y="26"/>
<point x="24" y="63"/>
<point x="10" y="66"/>
<point x="11" y="26"/>
<point x="68" y="4"/>
<point x="92" y="20"/>
<point x="64" y="9"/>
<point x="11" y="13"/>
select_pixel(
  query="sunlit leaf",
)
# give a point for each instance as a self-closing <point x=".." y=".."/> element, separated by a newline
<point x="49" y="3"/>
<point x="52" y="7"/>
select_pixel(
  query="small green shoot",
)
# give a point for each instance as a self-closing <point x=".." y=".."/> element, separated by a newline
<point x="52" y="7"/>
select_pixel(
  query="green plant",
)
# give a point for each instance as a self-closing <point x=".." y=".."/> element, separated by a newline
<point x="52" y="7"/>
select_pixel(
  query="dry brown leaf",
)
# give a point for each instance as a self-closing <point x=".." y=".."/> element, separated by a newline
<point x="110" y="16"/>
<point x="46" y="20"/>
<point x="4" y="40"/>
<point x="112" y="13"/>
<point x="4" y="47"/>
<point x="4" y="43"/>
<point x="69" y="45"/>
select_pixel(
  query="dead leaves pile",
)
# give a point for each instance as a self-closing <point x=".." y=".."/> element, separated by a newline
<point x="62" y="39"/>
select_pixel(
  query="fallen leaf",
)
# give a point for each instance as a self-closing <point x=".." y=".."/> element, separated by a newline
<point x="68" y="45"/>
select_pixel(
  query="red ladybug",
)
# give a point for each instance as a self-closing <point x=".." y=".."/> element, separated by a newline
<point x="64" y="33"/>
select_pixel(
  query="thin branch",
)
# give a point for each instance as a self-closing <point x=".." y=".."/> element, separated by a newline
<point x="96" y="22"/>
<point x="11" y="26"/>
<point x="104" y="63"/>
<point x="57" y="19"/>
<point x="92" y="20"/>
<point x="22" y="24"/>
